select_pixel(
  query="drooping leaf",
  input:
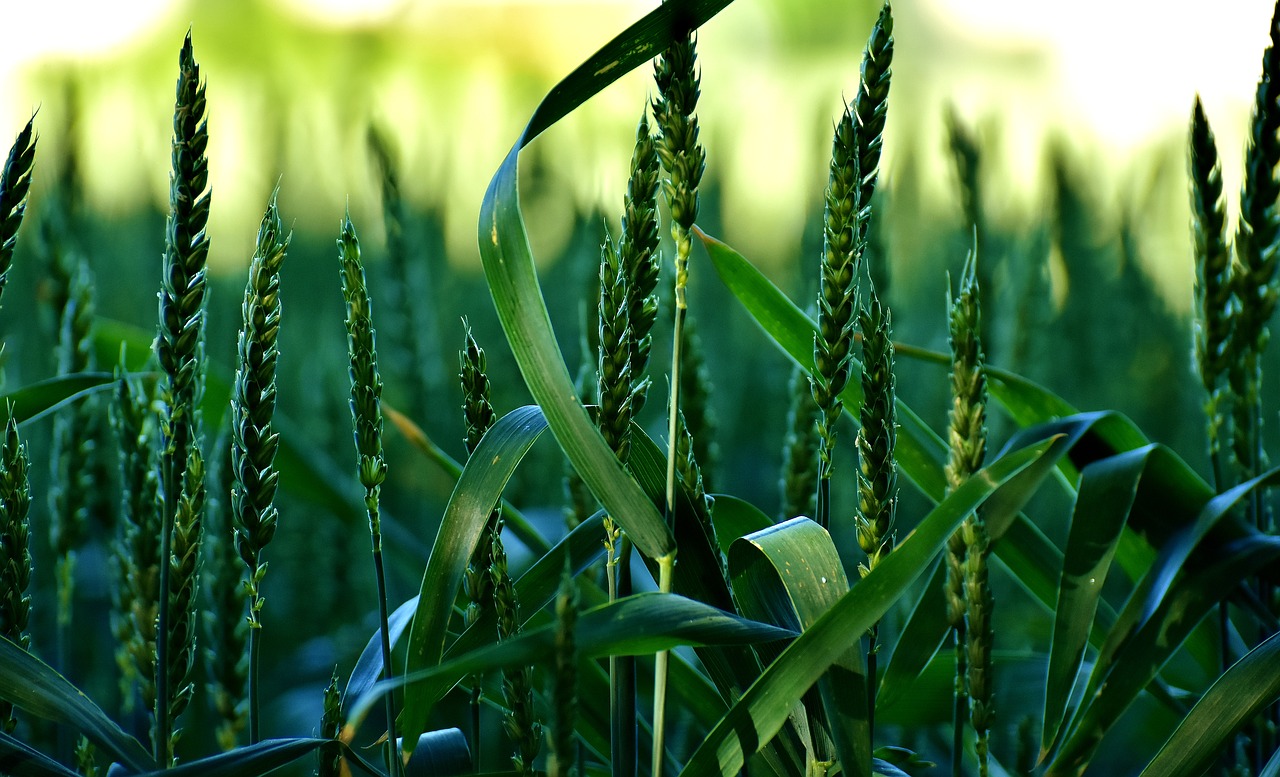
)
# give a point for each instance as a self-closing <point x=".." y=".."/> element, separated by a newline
<point x="760" y="713"/>
<point x="1251" y="685"/>
<point x="790" y="574"/>
<point x="1113" y="687"/>
<point x="1106" y="494"/>
<point x="636" y="625"/>
<point x="478" y="490"/>
<point x="33" y="686"/>
<point x="19" y="759"/>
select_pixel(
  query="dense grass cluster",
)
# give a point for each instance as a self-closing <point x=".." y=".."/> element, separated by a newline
<point x="682" y="618"/>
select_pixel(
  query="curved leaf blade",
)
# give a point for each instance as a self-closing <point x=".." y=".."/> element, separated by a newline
<point x="35" y="687"/>
<point x="762" y="710"/>
<point x="479" y="488"/>
<point x="1105" y="496"/>
<point x="637" y="625"/>
<point x="1242" y="692"/>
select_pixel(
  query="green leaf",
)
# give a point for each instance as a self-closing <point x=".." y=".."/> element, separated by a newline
<point x="21" y="760"/>
<point x="478" y="490"/>
<point x="259" y="759"/>
<point x="760" y="713"/>
<point x="637" y="625"/>
<point x="36" y="400"/>
<point x="1106" y="494"/>
<point x="1137" y="662"/>
<point x="790" y="574"/>
<point x="736" y="518"/>
<point x="1251" y="685"/>
<point x="920" y="451"/>
<point x="30" y="684"/>
<point x="513" y="280"/>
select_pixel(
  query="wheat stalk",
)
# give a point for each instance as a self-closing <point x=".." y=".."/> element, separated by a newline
<point x="137" y="551"/>
<point x="15" y="183"/>
<point x="968" y="603"/>
<point x="564" y="693"/>
<point x="253" y="440"/>
<point x="226" y="628"/>
<point x="180" y="343"/>
<point x="366" y="418"/>
<point x="15" y="551"/>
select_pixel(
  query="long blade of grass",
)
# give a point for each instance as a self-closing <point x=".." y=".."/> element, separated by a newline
<point x="37" y="400"/>
<point x="21" y="760"/>
<point x="791" y="574"/>
<point x="1139" y="660"/>
<point x="259" y="759"/>
<point x="35" y="687"/>
<point x="637" y="625"/>
<point x="513" y="280"/>
<point x="760" y="713"/>
<point x="1106" y="495"/>
<point x="1248" y="687"/>
<point x="490" y="467"/>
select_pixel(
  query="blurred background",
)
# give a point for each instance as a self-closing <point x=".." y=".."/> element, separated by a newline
<point x="1054" y="135"/>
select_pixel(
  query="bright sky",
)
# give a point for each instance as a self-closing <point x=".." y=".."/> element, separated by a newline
<point x="1118" y="75"/>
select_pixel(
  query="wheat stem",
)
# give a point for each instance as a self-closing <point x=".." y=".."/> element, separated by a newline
<point x="968" y="596"/>
<point x="684" y="160"/>
<point x="254" y="441"/>
<point x="366" y="421"/>
<point x="181" y="339"/>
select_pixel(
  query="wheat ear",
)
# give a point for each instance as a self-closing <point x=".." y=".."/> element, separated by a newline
<point x="15" y="183"/>
<point x="180" y="343"/>
<point x="226" y="627"/>
<point x="254" y="441"/>
<point x="138" y="549"/>
<point x="564" y="693"/>
<point x="968" y="596"/>
<point x="366" y="419"/>
<point x="15" y="550"/>
<point x="1213" y="281"/>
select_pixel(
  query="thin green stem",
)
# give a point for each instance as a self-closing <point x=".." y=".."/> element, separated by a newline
<point x="665" y="566"/>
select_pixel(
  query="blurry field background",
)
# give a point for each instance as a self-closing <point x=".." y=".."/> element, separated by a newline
<point x="1077" y="116"/>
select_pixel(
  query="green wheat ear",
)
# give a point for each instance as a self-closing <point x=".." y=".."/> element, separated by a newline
<point x="564" y="693"/>
<point x="15" y="552"/>
<point x="226" y="629"/>
<point x="366" y="421"/>
<point x="330" y="756"/>
<point x="15" y="183"/>
<point x="138" y="547"/>
<point x="521" y="721"/>
<point x="638" y="256"/>
<point x="877" y="439"/>
<point x="1253" y="279"/>
<point x="180" y="347"/>
<point x="968" y="595"/>
<point x="1213" y="282"/>
<point x="254" y="441"/>
<point x="842" y="250"/>
<point x="185" y="564"/>
<point x="799" y="482"/>
<point x="871" y="106"/>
